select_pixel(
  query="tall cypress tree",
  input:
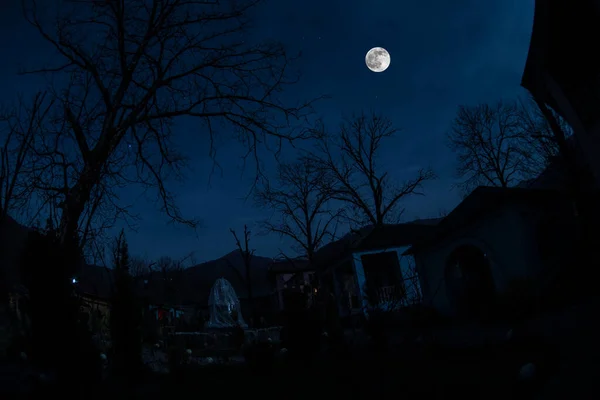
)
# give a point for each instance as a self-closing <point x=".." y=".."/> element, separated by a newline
<point x="126" y="317"/>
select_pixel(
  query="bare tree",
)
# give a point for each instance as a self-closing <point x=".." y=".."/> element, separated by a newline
<point x="499" y="145"/>
<point x="168" y="265"/>
<point x="247" y="254"/>
<point x="20" y="127"/>
<point x="171" y="272"/>
<point x="132" y="69"/>
<point x="352" y="160"/>
<point x="300" y="199"/>
<point x="140" y="266"/>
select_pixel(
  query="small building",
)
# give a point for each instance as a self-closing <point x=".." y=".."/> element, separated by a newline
<point x="369" y="267"/>
<point x="495" y="242"/>
<point x="291" y="277"/>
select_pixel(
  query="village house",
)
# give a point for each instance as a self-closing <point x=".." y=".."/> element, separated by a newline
<point x="504" y="245"/>
<point x="291" y="277"/>
<point x="368" y="267"/>
<point x="496" y="239"/>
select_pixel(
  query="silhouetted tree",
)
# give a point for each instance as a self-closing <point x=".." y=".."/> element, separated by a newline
<point x="500" y="145"/>
<point x="247" y="255"/>
<point x="61" y="340"/>
<point x="351" y="157"/>
<point x="125" y="316"/>
<point x="171" y="272"/>
<point x="300" y="199"/>
<point x="19" y="127"/>
<point x="140" y="267"/>
<point x="131" y="69"/>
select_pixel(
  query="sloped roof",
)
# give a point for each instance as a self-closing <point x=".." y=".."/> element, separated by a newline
<point x="289" y="266"/>
<point x="369" y="238"/>
<point x="336" y="250"/>
<point x="398" y="235"/>
<point x="483" y="200"/>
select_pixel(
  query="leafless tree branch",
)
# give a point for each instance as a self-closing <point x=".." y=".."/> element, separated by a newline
<point x="301" y="202"/>
<point x="133" y="69"/>
<point x="500" y="145"/>
<point x="351" y="157"/>
<point x="21" y="126"/>
<point x="247" y="254"/>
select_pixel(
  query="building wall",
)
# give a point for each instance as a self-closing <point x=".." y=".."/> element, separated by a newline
<point x="505" y="238"/>
<point x="406" y="267"/>
<point x="99" y="314"/>
<point x="284" y="281"/>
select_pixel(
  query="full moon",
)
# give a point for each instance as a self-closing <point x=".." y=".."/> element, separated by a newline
<point x="378" y="59"/>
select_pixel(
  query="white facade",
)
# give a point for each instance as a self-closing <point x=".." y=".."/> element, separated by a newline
<point x="407" y="269"/>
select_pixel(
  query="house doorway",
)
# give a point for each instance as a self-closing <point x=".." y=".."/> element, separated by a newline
<point x="469" y="282"/>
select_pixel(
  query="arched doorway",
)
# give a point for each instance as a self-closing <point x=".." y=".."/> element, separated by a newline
<point x="469" y="281"/>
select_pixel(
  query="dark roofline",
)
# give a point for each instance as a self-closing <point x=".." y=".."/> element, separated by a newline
<point x="290" y="265"/>
<point x="388" y="236"/>
<point x="480" y="202"/>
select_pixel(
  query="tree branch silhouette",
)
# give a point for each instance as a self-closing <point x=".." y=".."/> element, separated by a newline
<point x="301" y="202"/>
<point x="351" y="157"/>
<point x="500" y="145"/>
<point x="132" y="70"/>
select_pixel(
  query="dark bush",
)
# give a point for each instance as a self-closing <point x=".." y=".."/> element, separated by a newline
<point x="260" y="356"/>
<point x="301" y="331"/>
<point x="60" y="340"/>
<point x="125" y="317"/>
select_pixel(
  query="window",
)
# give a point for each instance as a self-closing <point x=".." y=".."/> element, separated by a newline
<point x="383" y="276"/>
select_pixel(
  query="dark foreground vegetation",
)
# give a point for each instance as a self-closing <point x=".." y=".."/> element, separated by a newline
<point x="411" y="371"/>
<point x="410" y="367"/>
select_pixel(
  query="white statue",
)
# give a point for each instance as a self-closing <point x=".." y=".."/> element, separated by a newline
<point x="224" y="306"/>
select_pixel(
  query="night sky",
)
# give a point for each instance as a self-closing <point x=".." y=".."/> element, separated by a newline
<point x="444" y="54"/>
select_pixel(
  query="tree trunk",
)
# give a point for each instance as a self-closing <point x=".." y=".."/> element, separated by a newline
<point x="74" y="204"/>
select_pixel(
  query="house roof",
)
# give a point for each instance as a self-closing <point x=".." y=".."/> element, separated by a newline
<point x="369" y="238"/>
<point x="483" y="200"/>
<point x="338" y="249"/>
<point x="286" y="266"/>
<point x="397" y="235"/>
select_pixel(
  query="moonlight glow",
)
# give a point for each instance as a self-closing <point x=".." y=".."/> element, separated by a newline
<point x="378" y="59"/>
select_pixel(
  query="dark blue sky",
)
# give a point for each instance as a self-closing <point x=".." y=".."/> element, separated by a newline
<point x="444" y="54"/>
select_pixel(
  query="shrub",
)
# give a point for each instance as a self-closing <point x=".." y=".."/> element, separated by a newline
<point x="125" y="317"/>
<point x="60" y="338"/>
